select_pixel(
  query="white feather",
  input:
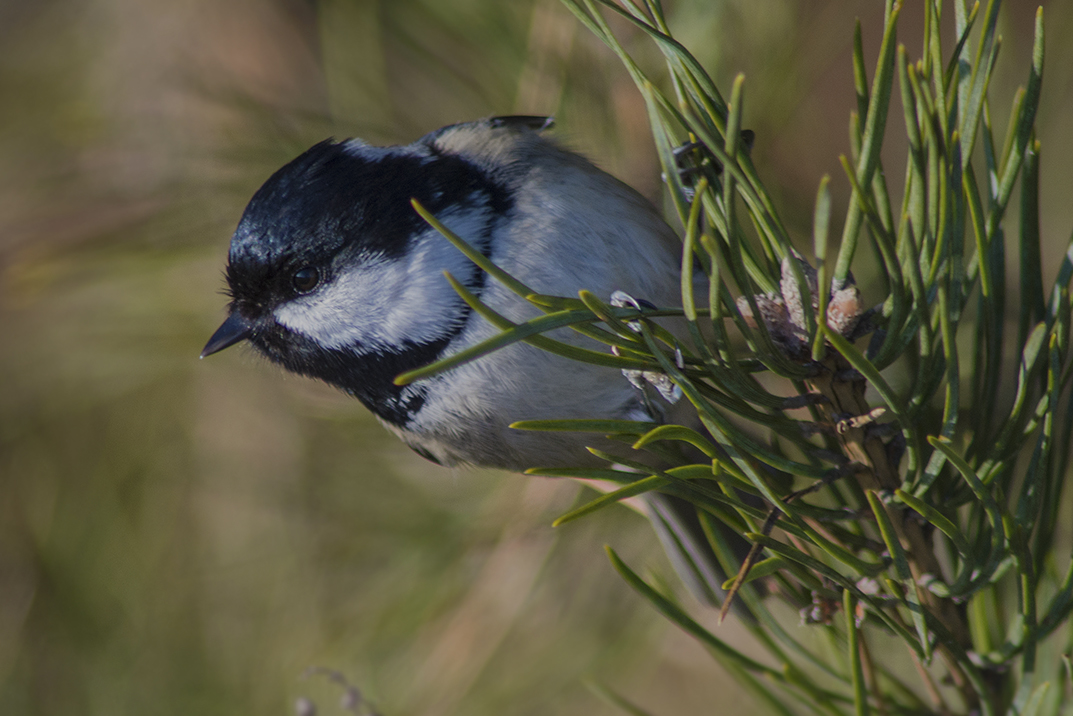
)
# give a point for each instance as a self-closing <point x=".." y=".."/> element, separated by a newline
<point x="383" y="303"/>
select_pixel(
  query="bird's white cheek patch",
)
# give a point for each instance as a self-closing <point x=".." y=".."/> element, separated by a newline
<point x="346" y="311"/>
<point x="387" y="303"/>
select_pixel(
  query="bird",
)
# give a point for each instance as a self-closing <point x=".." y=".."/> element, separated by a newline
<point x="332" y="274"/>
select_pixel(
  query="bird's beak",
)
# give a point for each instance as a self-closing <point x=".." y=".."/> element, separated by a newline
<point x="234" y="329"/>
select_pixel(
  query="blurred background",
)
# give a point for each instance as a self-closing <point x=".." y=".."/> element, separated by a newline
<point x="181" y="537"/>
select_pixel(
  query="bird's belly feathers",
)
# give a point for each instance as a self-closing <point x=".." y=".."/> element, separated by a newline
<point x="468" y="413"/>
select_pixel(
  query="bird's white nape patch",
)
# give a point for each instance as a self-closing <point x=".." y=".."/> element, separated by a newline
<point x="371" y="153"/>
<point x="384" y="303"/>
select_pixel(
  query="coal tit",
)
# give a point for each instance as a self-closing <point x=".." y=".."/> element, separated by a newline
<point x="333" y="275"/>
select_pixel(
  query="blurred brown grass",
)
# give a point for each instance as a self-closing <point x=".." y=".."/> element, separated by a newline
<point x="185" y="537"/>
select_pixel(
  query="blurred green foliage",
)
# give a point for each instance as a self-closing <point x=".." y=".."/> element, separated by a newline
<point x="179" y="537"/>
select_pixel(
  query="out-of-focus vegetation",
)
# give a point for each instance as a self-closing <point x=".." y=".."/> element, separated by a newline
<point x="185" y="537"/>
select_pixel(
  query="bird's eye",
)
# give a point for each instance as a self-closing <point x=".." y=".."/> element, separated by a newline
<point x="305" y="279"/>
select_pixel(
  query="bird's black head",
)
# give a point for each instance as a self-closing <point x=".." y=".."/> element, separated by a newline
<point x="333" y="274"/>
<point x="333" y="202"/>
